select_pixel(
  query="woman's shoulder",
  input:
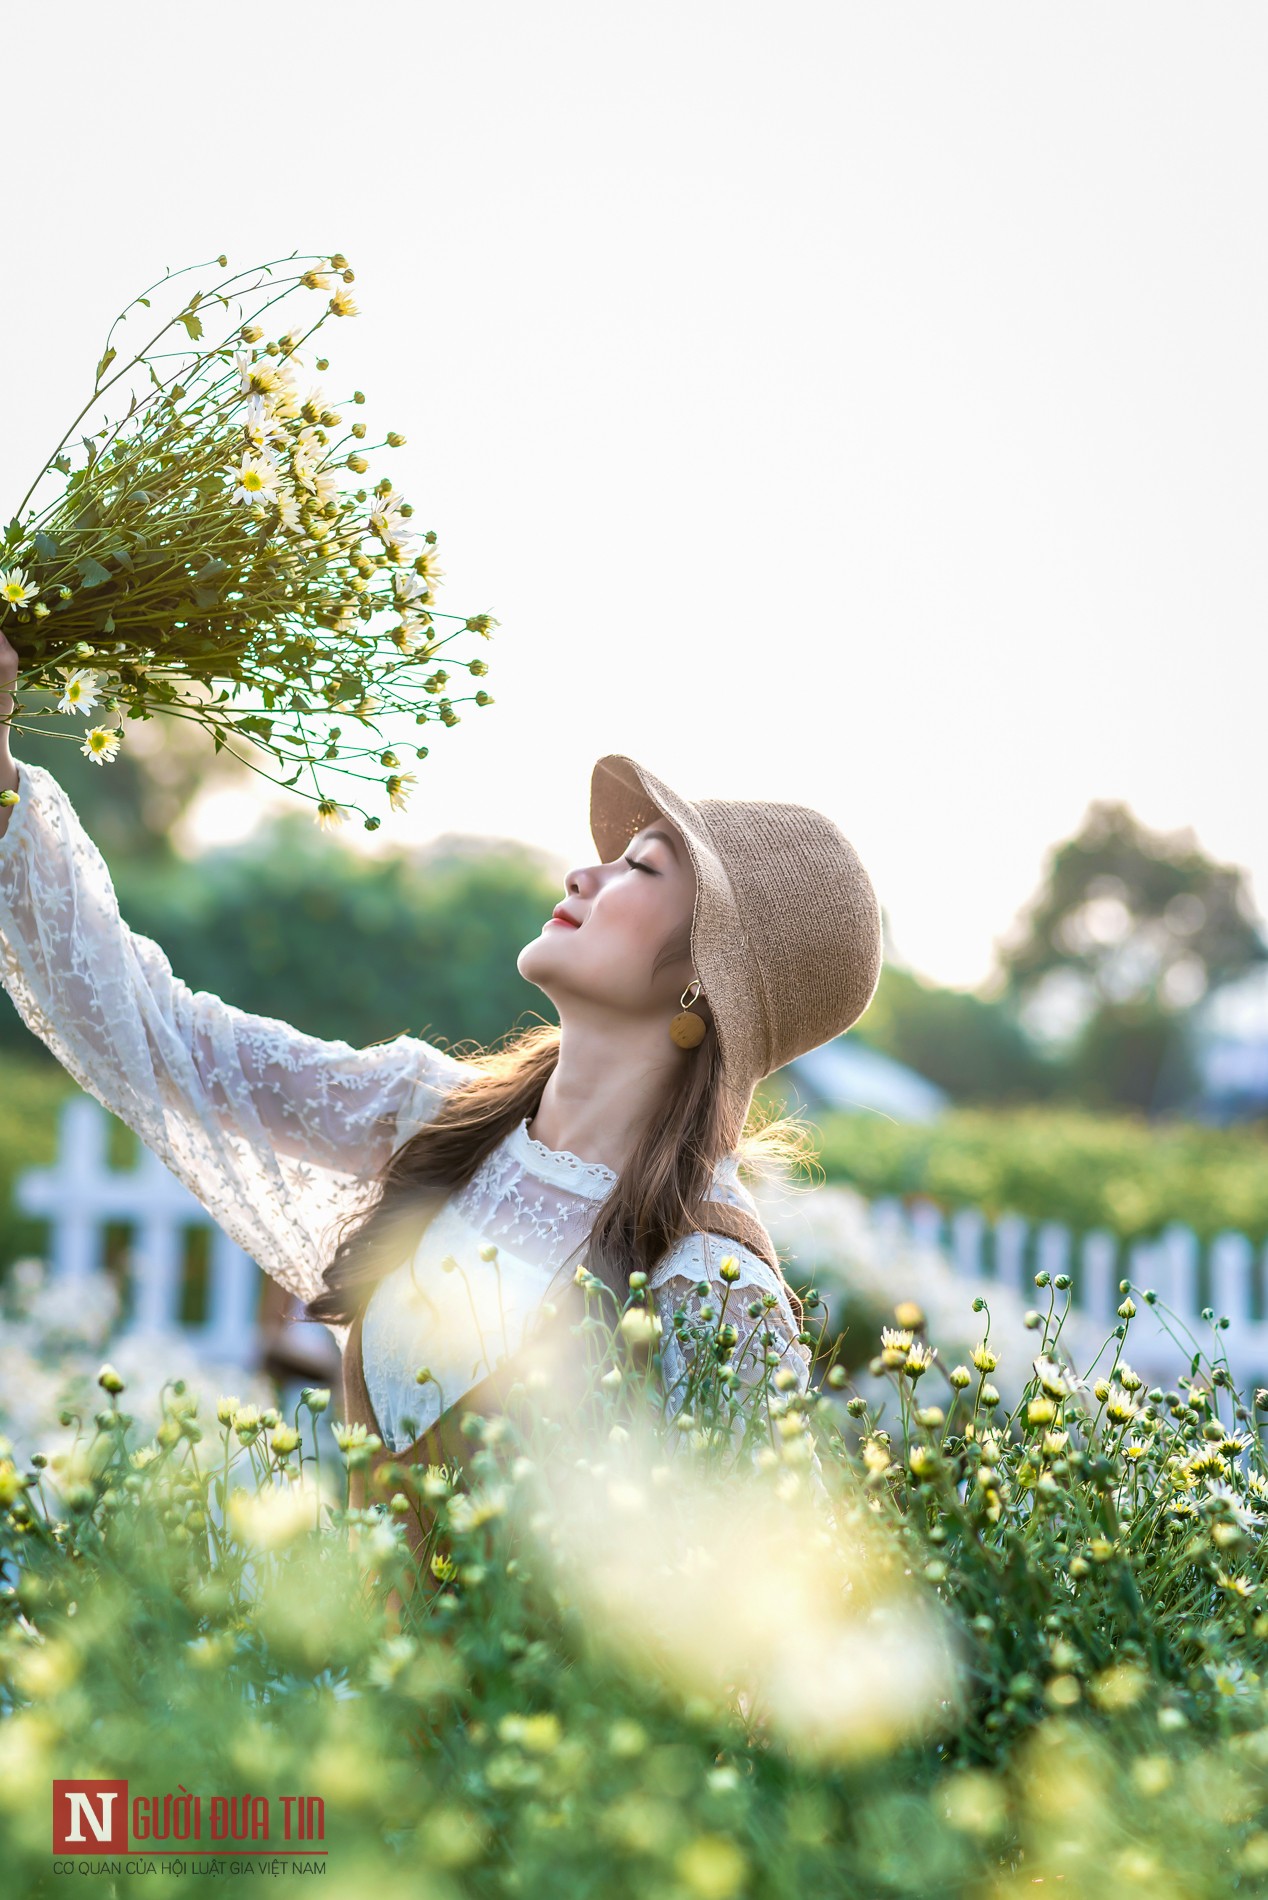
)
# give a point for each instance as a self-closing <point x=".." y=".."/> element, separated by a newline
<point x="699" y="1256"/>
<point x="436" y="1075"/>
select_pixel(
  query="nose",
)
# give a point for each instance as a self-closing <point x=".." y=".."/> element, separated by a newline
<point x="583" y="879"/>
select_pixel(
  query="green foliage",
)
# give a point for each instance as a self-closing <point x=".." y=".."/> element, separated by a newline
<point x="973" y="1047"/>
<point x="1135" y="1054"/>
<point x="131" y="808"/>
<point x="1098" y="1539"/>
<point x="203" y="1609"/>
<point x="343" y="946"/>
<point x="1088" y="1170"/>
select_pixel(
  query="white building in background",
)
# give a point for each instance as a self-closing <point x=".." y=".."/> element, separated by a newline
<point x="1230" y="1030"/>
<point x="847" y="1074"/>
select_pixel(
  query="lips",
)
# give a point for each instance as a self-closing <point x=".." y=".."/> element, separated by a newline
<point x="560" y="916"/>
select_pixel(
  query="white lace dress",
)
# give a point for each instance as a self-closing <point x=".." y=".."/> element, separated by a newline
<point x="279" y="1135"/>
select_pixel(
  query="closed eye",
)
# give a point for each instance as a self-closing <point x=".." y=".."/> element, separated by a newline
<point x="636" y="866"/>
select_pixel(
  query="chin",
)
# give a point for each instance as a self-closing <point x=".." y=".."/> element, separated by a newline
<point x="527" y="957"/>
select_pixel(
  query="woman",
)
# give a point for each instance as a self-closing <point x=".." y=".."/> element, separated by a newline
<point x="429" y="1209"/>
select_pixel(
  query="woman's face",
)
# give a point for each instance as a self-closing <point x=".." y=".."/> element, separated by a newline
<point x="624" y="913"/>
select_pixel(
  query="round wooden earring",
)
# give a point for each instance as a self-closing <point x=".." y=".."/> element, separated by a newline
<point x="685" y="1029"/>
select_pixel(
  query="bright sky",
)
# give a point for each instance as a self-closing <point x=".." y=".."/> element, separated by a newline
<point x="863" y="406"/>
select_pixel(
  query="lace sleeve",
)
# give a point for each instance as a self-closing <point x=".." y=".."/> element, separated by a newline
<point x="766" y="1341"/>
<point x="277" y="1133"/>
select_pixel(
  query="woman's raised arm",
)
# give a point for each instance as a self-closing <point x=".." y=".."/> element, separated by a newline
<point x="277" y="1133"/>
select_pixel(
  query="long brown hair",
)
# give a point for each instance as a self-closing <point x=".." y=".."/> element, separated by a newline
<point x="661" y="1194"/>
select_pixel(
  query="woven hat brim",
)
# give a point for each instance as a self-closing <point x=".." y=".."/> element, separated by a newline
<point x="625" y="798"/>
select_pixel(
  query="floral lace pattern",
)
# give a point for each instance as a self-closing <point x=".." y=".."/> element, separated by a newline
<point x="276" y="1133"/>
<point x="279" y="1134"/>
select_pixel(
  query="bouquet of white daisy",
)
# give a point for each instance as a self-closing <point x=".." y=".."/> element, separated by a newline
<point x="218" y="554"/>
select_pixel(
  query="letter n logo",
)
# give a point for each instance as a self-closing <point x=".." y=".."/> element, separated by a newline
<point x="90" y="1817"/>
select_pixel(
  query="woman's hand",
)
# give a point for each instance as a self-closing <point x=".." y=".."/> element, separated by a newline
<point x="8" y="770"/>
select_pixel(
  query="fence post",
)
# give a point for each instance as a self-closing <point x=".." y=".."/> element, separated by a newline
<point x="235" y="1285"/>
<point x="1053" y="1244"/>
<point x="1232" y="1263"/>
<point x="1098" y="1283"/>
<point x="925" y="1223"/>
<point x="968" y="1228"/>
<point x="1010" y="1250"/>
<point x="68" y="1195"/>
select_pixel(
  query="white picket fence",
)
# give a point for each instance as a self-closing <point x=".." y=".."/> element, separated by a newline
<point x="82" y="1193"/>
<point x="1227" y="1274"/>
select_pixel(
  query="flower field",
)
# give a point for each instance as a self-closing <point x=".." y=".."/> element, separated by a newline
<point x="789" y="1643"/>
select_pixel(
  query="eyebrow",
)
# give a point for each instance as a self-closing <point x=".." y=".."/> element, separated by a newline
<point x="665" y="837"/>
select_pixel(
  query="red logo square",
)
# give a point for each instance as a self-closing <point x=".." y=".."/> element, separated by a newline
<point x="90" y="1817"/>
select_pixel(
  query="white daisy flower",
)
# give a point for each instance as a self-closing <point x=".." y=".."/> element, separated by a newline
<point x="286" y="398"/>
<point x="408" y="586"/>
<point x="255" y="379"/>
<point x="100" y="744"/>
<point x="257" y="422"/>
<point x="15" y="588"/>
<point x="387" y="521"/>
<point x="432" y="570"/>
<point x="80" y="692"/>
<point x="1052" y="1376"/>
<point x="257" y="479"/>
<point x="398" y="789"/>
<point x="1234" y="1502"/>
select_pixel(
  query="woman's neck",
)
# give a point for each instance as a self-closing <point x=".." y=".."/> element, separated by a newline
<point x="602" y="1093"/>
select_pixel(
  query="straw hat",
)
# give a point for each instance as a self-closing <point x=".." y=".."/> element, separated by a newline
<point x="786" y="932"/>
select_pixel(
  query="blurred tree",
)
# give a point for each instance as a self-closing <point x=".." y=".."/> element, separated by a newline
<point x="290" y="924"/>
<point x="341" y="945"/>
<point x="1129" y="929"/>
<point x="973" y="1047"/>
<point x="130" y="807"/>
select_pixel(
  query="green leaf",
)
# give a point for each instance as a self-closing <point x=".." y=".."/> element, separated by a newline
<point x="218" y="736"/>
<point x="256" y="722"/>
<point x="106" y="361"/>
<point x="91" y="572"/>
<point x="193" y="325"/>
<point x="44" y="546"/>
<point x="121" y="555"/>
<point x="211" y="571"/>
